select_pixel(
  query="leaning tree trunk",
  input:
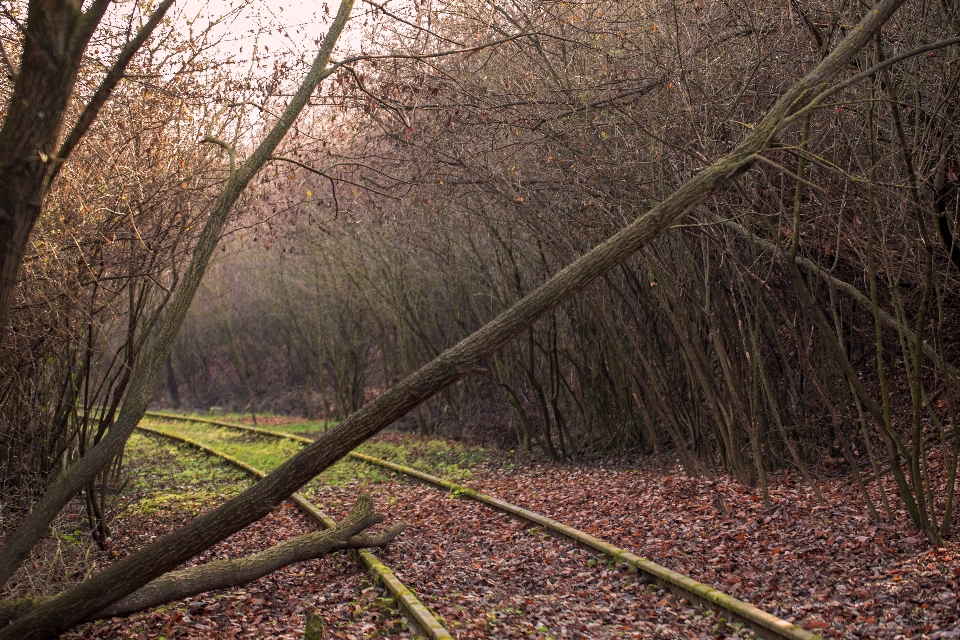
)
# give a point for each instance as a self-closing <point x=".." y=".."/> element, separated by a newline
<point x="132" y="572"/>
<point x="225" y="574"/>
<point x="70" y="482"/>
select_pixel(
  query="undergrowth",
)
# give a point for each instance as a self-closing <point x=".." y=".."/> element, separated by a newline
<point x="267" y="453"/>
<point x="175" y="477"/>
<point x="436" y="456"/>
<point x="165" y="477"/>
<point x="443" y="458"/>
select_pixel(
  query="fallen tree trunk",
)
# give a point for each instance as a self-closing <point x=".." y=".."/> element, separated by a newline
<point x="224" y="574"/>
<point x="454" y="364"/>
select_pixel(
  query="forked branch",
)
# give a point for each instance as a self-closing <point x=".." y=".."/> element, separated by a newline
<point x="225" y="574"/>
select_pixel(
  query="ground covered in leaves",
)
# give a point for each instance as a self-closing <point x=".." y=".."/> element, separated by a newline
<point x="484" y="575"/>
<point x="171" y="483"/>
<point x="488" y="576"/>
<point x="823" y="565"/>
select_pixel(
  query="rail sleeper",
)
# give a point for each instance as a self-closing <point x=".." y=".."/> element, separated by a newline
<point x="418" y="615"/>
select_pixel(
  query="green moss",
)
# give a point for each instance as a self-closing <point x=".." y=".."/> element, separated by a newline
<point x="266" y="453"/>
<point x="438" y="457"/>
<point x="176" y="477"/>
<point x="314" y="629"/>
<point x="262" y="452"/>
<point x="191" y="502"/>
<point x="165" y="465"/>
<point x="347" y="472"/>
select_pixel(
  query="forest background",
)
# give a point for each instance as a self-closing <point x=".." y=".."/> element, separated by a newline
<point x="803" y="318"/>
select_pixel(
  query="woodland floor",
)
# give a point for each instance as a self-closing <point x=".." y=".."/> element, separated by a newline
<point x="827" y="567"/>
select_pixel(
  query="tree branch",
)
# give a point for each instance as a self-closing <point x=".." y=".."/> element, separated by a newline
<point x="107" y="86"/>
<point x="323" y="173"/>
<point x="225" y="574"/>
<point x="229" y="148"/>
<point x="456" y="363"/>
<point x="7" y="63"/>
<point x="863" y="75"/>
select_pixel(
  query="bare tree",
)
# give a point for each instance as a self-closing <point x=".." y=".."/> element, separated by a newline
<point x="452" y="365"/>
<point x="32" y="150"/>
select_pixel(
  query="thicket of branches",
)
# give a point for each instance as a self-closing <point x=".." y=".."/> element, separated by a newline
<point x="804" y="318"/>
<point x="116" y="231"/>
<point x="102" y="262"/>
<point x="802" y="312"/>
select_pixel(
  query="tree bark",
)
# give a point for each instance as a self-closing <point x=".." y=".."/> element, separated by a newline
<point x="224" y="574"/>
<point x="140" y="393"/>
<point x="56" y="36"/>
<point x="127" y="575"/>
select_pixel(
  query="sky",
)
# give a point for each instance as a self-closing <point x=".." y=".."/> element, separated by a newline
<point x="291" y="26"/>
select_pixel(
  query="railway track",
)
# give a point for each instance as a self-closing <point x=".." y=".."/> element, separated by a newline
<point x="760" y="622"/>
<point x="418" y="615"/>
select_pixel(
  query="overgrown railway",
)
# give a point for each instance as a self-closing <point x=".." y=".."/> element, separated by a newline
<point x="760" y="622"/>
<point x="420" y="617"/>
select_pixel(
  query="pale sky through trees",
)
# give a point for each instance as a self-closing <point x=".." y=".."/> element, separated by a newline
<point x="279" y="28"/>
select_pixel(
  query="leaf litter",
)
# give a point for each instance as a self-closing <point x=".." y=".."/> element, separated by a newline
<point x="484" y="574"/>
<point x="489" y="576"/>
<point x="827" y="567"/>
<point x="275" y="606"/>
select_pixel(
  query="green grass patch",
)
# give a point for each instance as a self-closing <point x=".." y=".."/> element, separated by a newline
<point x="225" y="416"/>
<point x="349" y="471"/>
<point x="262" y="452"/>
<point x="176" y="477"/>
<point x="435" y="456"/>
<point x="306" y="428"/>
<point x="267" y="421"/>
<point x="266" y="453"/>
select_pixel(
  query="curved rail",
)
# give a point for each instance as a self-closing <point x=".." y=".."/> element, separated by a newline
<point x="422" y="618"/>
<point x="761" y="622"/>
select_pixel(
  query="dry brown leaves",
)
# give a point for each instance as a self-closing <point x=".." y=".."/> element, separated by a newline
<point x="489" y="576"/>
<point x="275" y="606"/>
<point x="827" y="567"/>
